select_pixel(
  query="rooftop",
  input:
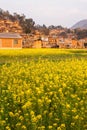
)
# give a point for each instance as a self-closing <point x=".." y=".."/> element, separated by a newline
<point x="10" y="35"/>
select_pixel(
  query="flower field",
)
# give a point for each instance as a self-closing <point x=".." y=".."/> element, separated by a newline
<point x="43" y="89"/>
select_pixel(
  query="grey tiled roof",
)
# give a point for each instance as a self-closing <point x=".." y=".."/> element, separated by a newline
<point x="9" y="35"/>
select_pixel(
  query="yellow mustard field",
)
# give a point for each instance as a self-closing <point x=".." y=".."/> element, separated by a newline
<point x="43" y="89"/>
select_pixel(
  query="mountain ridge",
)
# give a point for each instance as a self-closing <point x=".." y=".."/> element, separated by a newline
<point x="82" y="24"/>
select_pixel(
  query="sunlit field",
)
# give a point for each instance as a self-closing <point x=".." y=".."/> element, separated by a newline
<point x="43" y="89"/>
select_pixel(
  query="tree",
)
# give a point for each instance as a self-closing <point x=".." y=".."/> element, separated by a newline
<point x="43" y="29"/>
<point x="81" y="34"/>
<point x="28" y="25"/>
<point x="63" y="34"/>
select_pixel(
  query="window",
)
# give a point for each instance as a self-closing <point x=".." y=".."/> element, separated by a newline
<point x="15" y="41"/>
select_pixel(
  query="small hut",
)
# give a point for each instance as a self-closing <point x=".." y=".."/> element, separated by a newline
<point x="10" y="40"/>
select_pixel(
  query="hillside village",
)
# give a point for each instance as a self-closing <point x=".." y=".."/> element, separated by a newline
<point x="53" y="40"/>
<point x="9" y="26"/>
<point x="56" y="38"/>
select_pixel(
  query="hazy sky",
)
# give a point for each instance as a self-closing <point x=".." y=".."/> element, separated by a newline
<point x="49" y="12"/>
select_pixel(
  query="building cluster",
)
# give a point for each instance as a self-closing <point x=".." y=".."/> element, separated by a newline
<point x="53" y="40"/>
<point x="9" y="38"/>
<point x="9" y="26"/>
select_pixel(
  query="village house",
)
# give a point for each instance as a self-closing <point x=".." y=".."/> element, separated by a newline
<point x="27" y="40"/>
<point x="53" y="41"/>
<point x="64" y="42"/>
<point x="10" y="40"/>
<point x="83" y="43"/>
<point x="31" y="41"/>
<point x="37" y="43"/>
<point x="9" y="26"/>
<point x="45" y="42"/>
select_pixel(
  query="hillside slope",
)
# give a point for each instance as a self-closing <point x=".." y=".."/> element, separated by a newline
<point x="81" y="24"/>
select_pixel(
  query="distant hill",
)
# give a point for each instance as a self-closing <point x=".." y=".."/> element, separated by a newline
<point x="81" y="24"/>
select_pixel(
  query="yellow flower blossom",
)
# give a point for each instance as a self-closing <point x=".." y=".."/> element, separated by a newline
<point x="11" y="114"/>
<point x="43" y="89"/>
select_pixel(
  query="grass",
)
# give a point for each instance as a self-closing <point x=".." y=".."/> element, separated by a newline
<point x="7" y="56"/>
